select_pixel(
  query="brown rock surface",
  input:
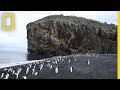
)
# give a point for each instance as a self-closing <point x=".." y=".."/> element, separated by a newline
<point x="62" y="35"/>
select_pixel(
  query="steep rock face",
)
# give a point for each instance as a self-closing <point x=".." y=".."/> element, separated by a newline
<point x="62" y="35"/>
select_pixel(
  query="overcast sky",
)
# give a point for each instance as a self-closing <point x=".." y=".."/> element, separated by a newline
<point x="16" y="40"/>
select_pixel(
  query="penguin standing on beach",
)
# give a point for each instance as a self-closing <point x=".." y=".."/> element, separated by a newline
<point x="56" y="69"/>
<point x="71" y="69"/>
<point x="24" y="77"/>
<point x="18" y="72"/>
<point x="7" y="76"/>
<point x="27" y="70"/>
<point x="2" y="75"/>
<point x="88" y="61"/>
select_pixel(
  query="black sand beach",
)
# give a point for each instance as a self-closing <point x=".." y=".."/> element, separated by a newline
<point x="79" y="66"/>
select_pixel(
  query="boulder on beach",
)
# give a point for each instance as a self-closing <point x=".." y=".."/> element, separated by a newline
<point x="64" y="35"/>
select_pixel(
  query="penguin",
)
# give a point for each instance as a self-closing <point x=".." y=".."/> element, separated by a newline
<point x="36" y="73"/>
<point x="2" y="75"/>
<point x="71" y="69"/>
<point x="27" y="70"/>
<point x="24" y="77"/>
<point x="56" y="69"/>
<point x="88" y="61"/>
<point x="7" y="76"/>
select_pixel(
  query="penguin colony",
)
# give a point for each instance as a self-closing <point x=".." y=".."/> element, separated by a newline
<point x="51" y="63"/>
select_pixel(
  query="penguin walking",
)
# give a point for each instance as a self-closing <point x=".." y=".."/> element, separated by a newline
<point x="69" y="61"/>
<point x="36" y="73"/>
<point x="41" y="66"/>
<point x="7" y="76"/>
<point x="56" y="69"/>
<point x="18" y="72"/>
<point x="27" y="70"/>
<point x="10" y="69"/>
<point x="33" y="70"/>
<point x="88" y="61"/>
<point x="5" y="69"/>
<point x="71" y="69"/>
<point x="50" y="66"/>
<point x="24" y="77"/>
<point x="2" y="75"/>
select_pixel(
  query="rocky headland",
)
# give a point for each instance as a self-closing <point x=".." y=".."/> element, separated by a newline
<point x="64" y="35"/>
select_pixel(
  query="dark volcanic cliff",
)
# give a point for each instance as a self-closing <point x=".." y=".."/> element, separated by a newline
<point x="62" y="35"/>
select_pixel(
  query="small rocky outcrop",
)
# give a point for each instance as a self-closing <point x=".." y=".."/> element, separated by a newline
<point x="62" y="35"/>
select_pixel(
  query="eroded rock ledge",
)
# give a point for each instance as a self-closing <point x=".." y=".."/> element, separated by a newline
<point x="62" y="35"/>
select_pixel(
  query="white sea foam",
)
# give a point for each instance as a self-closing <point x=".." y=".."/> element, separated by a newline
<point x="21" y="63"/>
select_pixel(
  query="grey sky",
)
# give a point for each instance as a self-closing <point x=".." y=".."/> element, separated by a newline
<point x="16" y="40"/>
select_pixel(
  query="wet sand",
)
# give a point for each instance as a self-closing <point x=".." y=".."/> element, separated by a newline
<point x="79" y="66"/>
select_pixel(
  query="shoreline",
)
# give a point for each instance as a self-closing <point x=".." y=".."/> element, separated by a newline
<point x="60" y="67"/>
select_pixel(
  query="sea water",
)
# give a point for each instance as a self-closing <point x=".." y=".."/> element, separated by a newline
<point x="14" y="57"/>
